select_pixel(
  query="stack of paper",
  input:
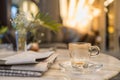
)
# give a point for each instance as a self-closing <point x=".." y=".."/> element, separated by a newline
<point x="28" y="63"/>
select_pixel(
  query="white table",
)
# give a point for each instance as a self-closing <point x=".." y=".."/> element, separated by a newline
<point x="111" y="67"/>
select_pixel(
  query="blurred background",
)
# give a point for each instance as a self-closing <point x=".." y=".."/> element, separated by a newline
<point x="94" y="21"/>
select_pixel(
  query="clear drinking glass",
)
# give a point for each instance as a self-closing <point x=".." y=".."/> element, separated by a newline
<point x="80" y="64"/>
<point x="21" y="41"/>
<point x="80" y="53"/>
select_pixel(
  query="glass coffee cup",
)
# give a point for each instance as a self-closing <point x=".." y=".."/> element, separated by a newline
<point x="80" y="53"/>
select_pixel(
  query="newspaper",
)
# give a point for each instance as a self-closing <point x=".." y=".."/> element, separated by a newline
<point x="25" y="58"/>
<point x="35" y="66"/>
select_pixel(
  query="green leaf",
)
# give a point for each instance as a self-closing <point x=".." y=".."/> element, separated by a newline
<point x="48" y="22"/>
<point x="3" y="29"/>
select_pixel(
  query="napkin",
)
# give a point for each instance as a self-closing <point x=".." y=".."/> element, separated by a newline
<point x="32" y="67"/>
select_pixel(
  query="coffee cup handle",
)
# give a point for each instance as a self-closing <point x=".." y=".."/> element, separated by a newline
<point x="94" y="50"/>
